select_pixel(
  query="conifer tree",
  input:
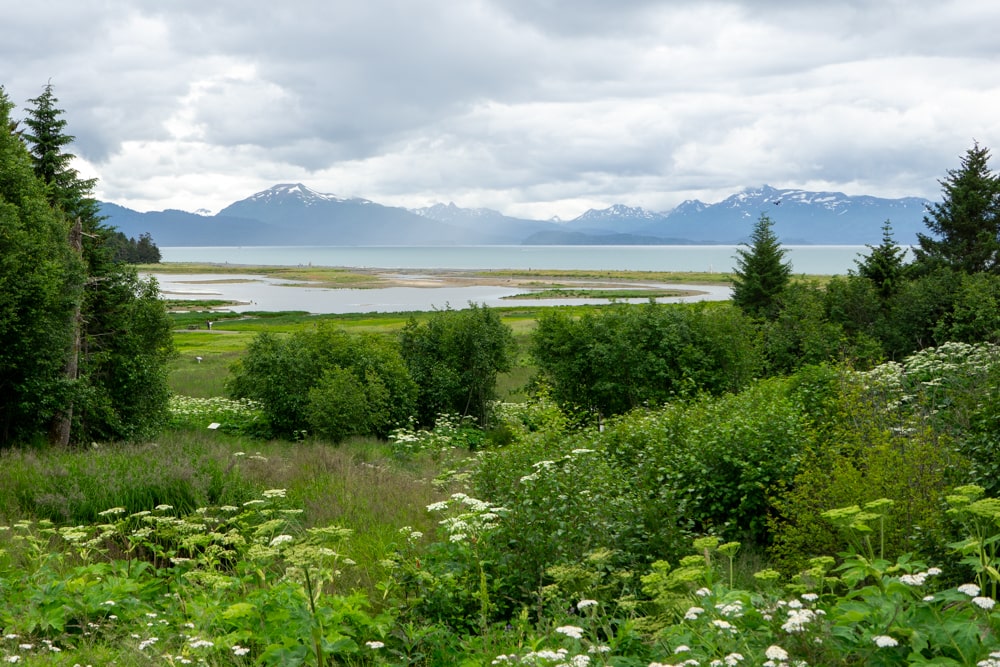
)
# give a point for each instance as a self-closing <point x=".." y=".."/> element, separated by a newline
<point x="116" y="361"/>
<point x="884" y="264"/>
<point x="966" y="223"/>
<point x="37" y="272"/>
<point x="761" y="272"/>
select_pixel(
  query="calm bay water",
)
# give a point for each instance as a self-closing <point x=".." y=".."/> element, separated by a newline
<point x="263" y="293"/>
<point x="805" y="259"/>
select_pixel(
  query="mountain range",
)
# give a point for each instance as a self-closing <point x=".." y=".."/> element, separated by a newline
<point x="292" y="214"/>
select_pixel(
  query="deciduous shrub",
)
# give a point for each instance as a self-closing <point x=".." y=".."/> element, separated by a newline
<point x="624" y="357"/>
<point x="327" y="381"/>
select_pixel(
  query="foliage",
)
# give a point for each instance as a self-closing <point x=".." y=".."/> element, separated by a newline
<point x="884" y="264"/>
<point x="915" y="310"/>
<point x="801" y="332"/>
<point x="230" y="416"/>
<point x="122" y="390"/>
<point x="131" y="251"/>
<point x="626" y="356"/>
<point x="454" y="358"/>
<point x="119" y="342"/>
<point x="326" y="381"/>
<point x="975" y="311"/>
<point x="722" y="460"/>
<point x="761" y="273"/>
<point x="449" y="432"/>
<point x="37" y="296"/>
<point x="250" y="584"/>
<point x="966" y="224"/>
<point x="906" y="432"/>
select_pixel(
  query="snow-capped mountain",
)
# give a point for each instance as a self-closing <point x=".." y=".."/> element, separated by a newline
<point x="293" y="214"/>
<point x="800" y="217"/>
<point x="620" y="218"/>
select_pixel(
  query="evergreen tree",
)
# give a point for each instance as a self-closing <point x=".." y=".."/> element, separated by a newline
<point x="37" y="272"/>
<point x="884" y="264"/>
<point x="118" y="366"/>
<point x="966" y="223"/>
<point x="761" y="272"/>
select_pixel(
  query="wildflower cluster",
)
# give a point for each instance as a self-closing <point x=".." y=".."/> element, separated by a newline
<point x="231" y="415"/>
<point x="236" y="576"/>
<point x="471" y="519"/>
<point x="450" y="432"/>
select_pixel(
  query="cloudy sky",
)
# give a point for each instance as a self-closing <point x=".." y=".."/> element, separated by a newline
<point x="532" y="107"/>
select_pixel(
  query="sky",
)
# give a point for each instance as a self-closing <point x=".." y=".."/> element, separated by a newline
<point x="536" y="108"/>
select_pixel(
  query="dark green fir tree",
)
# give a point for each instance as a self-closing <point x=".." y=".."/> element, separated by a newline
<point x="965" y="225"/>
<point x="761" y="272"/>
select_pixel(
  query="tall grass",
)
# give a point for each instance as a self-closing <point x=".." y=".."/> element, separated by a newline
<point x="356" y="485"/>
<point x="184" y="470"/>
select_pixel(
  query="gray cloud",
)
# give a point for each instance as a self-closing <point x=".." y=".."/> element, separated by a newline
<point x="540" y="107"/>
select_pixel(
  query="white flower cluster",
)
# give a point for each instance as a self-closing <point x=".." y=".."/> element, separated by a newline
<point x="478" y="518"/>
<point x="919" y="578"/>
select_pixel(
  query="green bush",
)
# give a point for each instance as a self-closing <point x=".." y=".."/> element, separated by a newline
<point x="454" y="358"/>
<point x="906" y="432"/>
<point x="627" y="356"/>
<point x="327" y="381"/>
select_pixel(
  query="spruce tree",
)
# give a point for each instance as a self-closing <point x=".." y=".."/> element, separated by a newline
<point x="761" y="272"/>
<point x="118" y="367"/>
<point x="884" y="264"/>
<point x="966" y="223"/>
<point x="37" y="272"/>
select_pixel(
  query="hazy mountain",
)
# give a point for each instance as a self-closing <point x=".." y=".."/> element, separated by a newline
<point x="180" y="228"/>
<point x="494" y="226"/>
<point x="292" y="214"/>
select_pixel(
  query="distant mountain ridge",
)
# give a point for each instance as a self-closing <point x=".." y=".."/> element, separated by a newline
<point x="293" y="214"/>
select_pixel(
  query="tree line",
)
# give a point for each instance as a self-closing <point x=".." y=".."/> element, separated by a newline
<point x="84" y="341"/>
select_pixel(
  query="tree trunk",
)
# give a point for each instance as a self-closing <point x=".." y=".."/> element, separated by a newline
<point x="62" y="422"/>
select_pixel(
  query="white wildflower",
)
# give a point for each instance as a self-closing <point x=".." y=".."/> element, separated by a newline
<point x="570" y="631"/>
<point x="798" y="619"/>
<point x="776" y="653"/>
<point x="693" y="613"/>
<point x="969" y="589"/>
<point x="884" y="641"/>
<point x="984" y="603"/>
<point x="374" y="645"/>
<point x="583" y="604"/>
<point x="281" y="539"/>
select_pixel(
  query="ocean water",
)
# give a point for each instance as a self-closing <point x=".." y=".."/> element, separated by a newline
<point x="828" y="260"/>
<point x="263" y="293"/>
